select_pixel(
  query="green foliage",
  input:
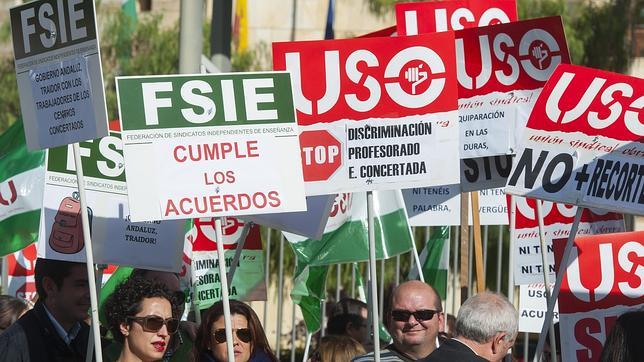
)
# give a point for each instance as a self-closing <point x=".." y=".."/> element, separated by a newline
<point x="603" y="29"/>
<point x="8" y="94"/>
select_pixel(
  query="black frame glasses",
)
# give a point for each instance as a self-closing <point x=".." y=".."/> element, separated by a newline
<point x="154" y="323"/>
<point x="402" y="315"/>
<point x="243" y="334"/>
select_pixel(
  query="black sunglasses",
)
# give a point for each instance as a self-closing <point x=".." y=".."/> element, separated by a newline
<point x="153" y="323"/>
<point x="401" y="315"/>
<point x="242" y="333"/>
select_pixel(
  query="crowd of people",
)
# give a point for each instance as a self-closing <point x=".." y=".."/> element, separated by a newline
<point x="142" y="324"/>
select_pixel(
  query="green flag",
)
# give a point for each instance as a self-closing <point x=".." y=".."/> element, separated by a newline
<point x="345" y="240"/>
<point x="435" y="261"/>
<point x="22" y="180"/>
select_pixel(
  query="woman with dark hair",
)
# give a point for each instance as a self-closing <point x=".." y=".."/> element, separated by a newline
<point x="11" y="308"/>
<point x="141" y="315"/>
<point x="249" y="340"/>
<point x="624" y="342"/>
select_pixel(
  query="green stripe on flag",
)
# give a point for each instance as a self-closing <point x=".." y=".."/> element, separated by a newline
<point x="349" y="243"/>
<point x="19" y="231"/>
<point x="435" y="260"/>
<point x="308" y="292"/>
<point x="14" y="156"/>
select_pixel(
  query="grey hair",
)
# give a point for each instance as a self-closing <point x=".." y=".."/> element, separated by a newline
<point x="484" y="315"/>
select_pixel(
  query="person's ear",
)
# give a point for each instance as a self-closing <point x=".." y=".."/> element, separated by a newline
<point x="49" y="285"/>
<point x="441" y="322"/>
<point x="125" y="329"/>
<point x="498" y="342"/>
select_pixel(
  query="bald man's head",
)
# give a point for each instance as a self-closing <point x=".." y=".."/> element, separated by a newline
<point x="415" y="318"/>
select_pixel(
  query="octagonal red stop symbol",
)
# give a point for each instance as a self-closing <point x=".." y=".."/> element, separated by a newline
<point x="321" y="155"/>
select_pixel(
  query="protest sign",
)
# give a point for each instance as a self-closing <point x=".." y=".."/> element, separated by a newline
<point x="558" y="219"/>
<point x="115" y="239"/>
<point x="231" y="138"/>
<point x="499" y="82"/>
<point x="386" y="125"/>
<point x="433" y="16"/>
<point x="20" y="273"/>
<point x="532" y="307"/>
<point x="203" y="266"/>
<point x="58" y="70"/>
<point x="583" y="142"/>
<point x="21" y="186"/>
<point x="485" y="172"/>
<point x="441" y="205"/>
<point x="602" y="280"/>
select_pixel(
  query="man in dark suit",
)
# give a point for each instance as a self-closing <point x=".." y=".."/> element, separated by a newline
<point x="54" y="330"/>
<point x="486" y="327"/>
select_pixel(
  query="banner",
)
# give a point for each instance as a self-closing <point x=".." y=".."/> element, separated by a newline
<point x="583" y="144"/>
<point x="58" y="70"/>
<point x="434" y="16"/>
<point x="154" y="245"/>
<point x="603" y="279"/>
<point x="558" y="219"/>
<point x="230" y="138"/>
<point x="21" y="178"/>
<point x="249" y="281"/>
<point x="389" y="124"/>
<point x="441" y="206"/>
<point x="533" y="306"/>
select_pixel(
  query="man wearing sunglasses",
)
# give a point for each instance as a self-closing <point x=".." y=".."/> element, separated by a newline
<point x="486" y="327"/>
<point x="414" y="322"/>
<point x="54" y="330"/>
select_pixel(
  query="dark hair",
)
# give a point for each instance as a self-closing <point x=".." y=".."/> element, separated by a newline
<point x="126" y="302"/>
<point x="259" y="343"/>
<point x="10" y="309"/>
<point x="345" y="311"/>
<point x="624" y="343"/>
<point x="57" y="270"/>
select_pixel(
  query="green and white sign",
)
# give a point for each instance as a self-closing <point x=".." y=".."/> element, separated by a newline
<point x="58" y="70"/>
<point x="210" y="145"/>
<point x="153" y="245"/>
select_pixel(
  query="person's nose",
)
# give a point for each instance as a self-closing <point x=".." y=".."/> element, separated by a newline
<point x="163" y="332"/>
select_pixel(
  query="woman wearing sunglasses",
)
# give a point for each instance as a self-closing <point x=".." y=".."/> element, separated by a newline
<point x="140" y="314"/>
<point x="249" y="340"/>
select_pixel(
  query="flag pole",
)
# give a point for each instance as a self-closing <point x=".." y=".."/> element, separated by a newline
<point x="89" y="254"/>
<point x="545" y="267"/>
<point x="555" y="292"/>
<point x="267" y="269"/>
<point x="307" y="346"/>
<point x="513" y="227"/>
<point x="372" y="272"/>
<point x="478" y="247"/>
<point x="224" y="289"/>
